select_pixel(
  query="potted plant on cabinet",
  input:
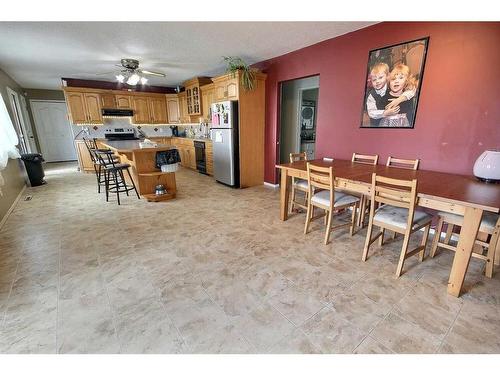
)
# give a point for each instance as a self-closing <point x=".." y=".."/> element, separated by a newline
<point x="235" y="64"/>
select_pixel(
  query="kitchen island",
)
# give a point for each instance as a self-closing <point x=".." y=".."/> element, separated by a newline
<point x="143" y="167"/>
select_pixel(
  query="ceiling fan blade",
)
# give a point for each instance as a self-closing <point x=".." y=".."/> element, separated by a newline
<point x="151" y="73"/>
<point x="106" y="73"/>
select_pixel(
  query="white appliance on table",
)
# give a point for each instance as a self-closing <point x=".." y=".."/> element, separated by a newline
<point x="225" y="143"/>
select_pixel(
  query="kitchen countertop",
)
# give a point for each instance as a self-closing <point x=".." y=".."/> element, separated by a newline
<point x="133" y="146"/>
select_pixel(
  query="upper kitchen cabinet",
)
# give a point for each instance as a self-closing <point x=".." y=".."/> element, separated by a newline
<point x="207" y="98"/>
<point x="226" y="87"/>
<point x="123" y="101"/>
<point x="140" y="105"/>
<point x="173" y="110"/>
<point x="149" y="109"/>
<point x="84" y="107"/>
<point x="193" y="94"/>
<point x="158" y="110"/>
<point x="183" y="108"/>
<point x="108" y="101"/>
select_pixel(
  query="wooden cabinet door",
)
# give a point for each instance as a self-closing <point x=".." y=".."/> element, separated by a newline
<point x="207" y="98"/>
<point x="140" y="104"/>
<point x="158" y="110"/>
<point x="220" y="91"/>
<point x="173" y="110"/>
<point x="93" y="106"/>
<point x="123" y="101"/>
<point x="84" y="159"/>
<point x="183" y="108"/>
<point x="76" y="107"/>
<point x="108" y="101"/>
<point x="232" y="89"/>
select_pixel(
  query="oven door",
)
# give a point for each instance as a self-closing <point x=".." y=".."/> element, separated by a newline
<point x="201" y="164"/>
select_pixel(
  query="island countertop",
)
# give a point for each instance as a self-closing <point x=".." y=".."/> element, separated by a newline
<point x="133" y="146"/>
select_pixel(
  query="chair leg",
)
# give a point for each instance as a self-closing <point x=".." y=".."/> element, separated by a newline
<point x="402" y="256"/>
<point x="449" y="232"/>
<point x="106" y="184"/>
<point x="328" y="226"/>
<point x="133" y="184"/>
<point x="308" y="217"/>
<point x="421" y="255"/>
<point x="394" y="235"/>
<point x="492" y="249"/>
<point x="437" y="237"/>
<point x="363" y="212"/>
<point x="117" y="186"/>
<point x="381" y="238"/>
<point x="353" y="218"/>
<point x="292" y="203"/>
<point x="368" y="239"/>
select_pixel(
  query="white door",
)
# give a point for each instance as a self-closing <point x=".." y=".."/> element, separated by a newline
<point x="27" y="124"/>
<point x="54" y="130"/>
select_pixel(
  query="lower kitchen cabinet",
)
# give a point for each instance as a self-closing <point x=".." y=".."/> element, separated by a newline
<point x="84" y="161"/>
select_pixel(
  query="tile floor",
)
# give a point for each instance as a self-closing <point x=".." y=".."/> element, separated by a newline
<point x="216" y="271"/>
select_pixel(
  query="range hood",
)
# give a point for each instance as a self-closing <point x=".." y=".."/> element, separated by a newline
<point x="114" y="112"/>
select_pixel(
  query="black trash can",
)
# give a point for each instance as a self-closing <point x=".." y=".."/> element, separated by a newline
<point x="33" y="164"/>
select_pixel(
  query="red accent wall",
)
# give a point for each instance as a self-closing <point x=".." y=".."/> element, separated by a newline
<point x="458" y="114"/>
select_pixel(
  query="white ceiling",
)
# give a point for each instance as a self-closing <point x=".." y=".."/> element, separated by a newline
<point x="38" y="54"/>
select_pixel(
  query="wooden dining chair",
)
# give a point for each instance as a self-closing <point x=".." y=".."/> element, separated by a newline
<point x="298" y="184"/>
<point x="490" y="226"/>
<point x="403" y="163"/>
<point x="364" y="205"/>
<point x="396" y="213"/>
<point x="323" y="195"/>
<point x="364" y="159"/>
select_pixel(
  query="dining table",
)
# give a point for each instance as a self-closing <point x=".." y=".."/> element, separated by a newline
<point x="458" y="194"/>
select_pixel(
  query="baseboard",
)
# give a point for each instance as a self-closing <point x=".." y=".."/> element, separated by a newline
<point x="268" y="184"/>
<point x="9" y="211"/>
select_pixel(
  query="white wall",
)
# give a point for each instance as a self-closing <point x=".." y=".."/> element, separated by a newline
<point x="289" y="121"/>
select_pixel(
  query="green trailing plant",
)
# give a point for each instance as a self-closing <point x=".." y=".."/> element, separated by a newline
<point x="235" y="64"/>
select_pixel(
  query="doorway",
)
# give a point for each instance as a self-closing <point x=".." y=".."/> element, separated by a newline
<point x="21" y="122"/>
<point x="55" y="133"/>
<point x="298" y="113"/>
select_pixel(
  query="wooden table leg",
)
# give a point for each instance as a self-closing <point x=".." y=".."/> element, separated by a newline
<point x="284" y="194"/>
<point x="468" y="233"/>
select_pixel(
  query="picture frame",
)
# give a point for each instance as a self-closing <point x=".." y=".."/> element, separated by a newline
<point x="394" y="78"/>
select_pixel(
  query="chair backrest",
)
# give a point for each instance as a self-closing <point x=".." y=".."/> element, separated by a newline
<point x="364" y="159"/>
<point x="394" y="192"/>
<point x="298" y="156"/>
<point x="321" y="178"/>
<point x="91" y="146"/>
<point x="403" y="163"/>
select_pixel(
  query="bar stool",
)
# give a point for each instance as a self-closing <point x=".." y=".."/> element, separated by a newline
<point x="114" y="179"/>
<point x="91" y="146"/>
<point x="490" y="225"/>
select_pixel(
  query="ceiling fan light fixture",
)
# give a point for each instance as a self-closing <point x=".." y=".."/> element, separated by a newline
<point x="144" y="80"/>
<point x="133" y="79"/>
<point x="120" y="78"/>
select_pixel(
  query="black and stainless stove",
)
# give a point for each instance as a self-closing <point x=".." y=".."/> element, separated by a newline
<point x="119" y="134"/>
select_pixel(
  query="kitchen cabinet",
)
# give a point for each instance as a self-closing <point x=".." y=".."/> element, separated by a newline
<point x="173" y="110"/>
<point x="93" y="106"/>
<point x="226" y="87"/>
<point x="207" y="98"/>
<point x="140" y="105"/>
<point x="193" y="95"/>
<point x="158" y="110"/>
<point x="76" y="107"/>
<point x="184" y="116"/>
<point x="84" y="160"/>
<point x="209" y="155"/>
<point x="123" y="101"/>
<point x="84" y="108"/>
<point x="108" y="101"/>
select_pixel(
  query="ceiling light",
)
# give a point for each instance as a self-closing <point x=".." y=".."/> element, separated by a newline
<point x="120" y="78"/>
<point x="144" y="80"/>
<point x="133" y="79"/>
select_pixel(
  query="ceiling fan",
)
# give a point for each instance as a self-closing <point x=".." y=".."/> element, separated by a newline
<point x="132" y="74"/>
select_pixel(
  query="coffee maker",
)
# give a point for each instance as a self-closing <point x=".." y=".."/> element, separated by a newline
<point x="175" y="131"/>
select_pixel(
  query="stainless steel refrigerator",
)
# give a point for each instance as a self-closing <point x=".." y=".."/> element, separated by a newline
<point x="225" y="141"/>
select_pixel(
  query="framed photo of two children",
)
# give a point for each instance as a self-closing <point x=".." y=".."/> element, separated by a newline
<point x="393" y="80"/>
